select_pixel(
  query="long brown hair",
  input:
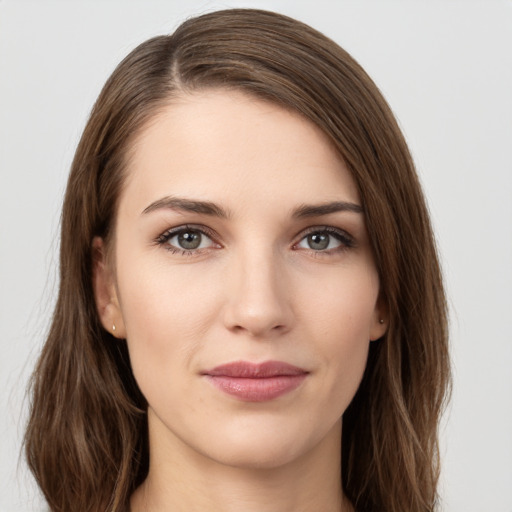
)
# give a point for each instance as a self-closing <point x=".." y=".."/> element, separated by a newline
<point x="86" y="440"/>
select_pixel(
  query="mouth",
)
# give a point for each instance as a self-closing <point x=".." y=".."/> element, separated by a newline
<point x="251" y="382"/>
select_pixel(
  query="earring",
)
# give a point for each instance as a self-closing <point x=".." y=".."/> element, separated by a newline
<point x="113" y="327"/>
<point x="381" y="321"/>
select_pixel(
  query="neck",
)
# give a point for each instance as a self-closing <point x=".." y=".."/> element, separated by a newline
<point x="180" y="479"/>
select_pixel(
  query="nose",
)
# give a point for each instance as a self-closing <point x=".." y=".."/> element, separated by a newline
<point x="258" y="296"/>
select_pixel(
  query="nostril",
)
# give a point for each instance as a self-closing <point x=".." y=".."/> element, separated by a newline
<point x="259" y="328"/>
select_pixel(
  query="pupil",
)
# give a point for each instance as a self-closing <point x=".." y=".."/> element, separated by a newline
<point x="318" y="242"/>
<point x="189" y="240"/>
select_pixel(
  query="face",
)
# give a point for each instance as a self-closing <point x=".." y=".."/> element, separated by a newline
<point x="243" y="281"/>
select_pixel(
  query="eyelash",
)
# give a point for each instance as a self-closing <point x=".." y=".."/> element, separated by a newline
<point x="164" y="238"/>
<point x="346" y="240"/>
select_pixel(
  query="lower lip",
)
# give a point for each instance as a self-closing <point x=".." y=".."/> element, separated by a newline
<point x="257" y="389"/>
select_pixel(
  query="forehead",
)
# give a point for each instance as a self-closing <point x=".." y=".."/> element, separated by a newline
<point x="226" y="146"/>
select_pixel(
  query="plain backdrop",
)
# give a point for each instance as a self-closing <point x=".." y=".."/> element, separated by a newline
<point x="446" y="69"/>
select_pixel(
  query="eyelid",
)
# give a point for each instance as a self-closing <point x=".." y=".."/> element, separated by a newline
<point x="164" y="237"/>
<point x="193" y="227"/>
<point x="346" y="239"/>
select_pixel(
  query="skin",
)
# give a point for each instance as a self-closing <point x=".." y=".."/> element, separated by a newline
<point x="255" y="290"/>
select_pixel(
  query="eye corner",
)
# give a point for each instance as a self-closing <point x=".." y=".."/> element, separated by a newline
<point x="332" y="240"/>
<point x="202" y="239"/>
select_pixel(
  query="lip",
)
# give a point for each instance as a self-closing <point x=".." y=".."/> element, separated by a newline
<point x="252" y="382"/>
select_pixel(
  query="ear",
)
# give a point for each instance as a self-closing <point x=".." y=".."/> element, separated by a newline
<point x="105" y="293"/>
<point x="380" y="320"/>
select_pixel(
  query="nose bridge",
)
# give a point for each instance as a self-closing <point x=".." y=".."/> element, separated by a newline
<point x="258" y="295"/>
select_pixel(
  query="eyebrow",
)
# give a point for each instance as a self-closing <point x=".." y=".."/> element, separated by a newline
<point x="306" y="210"/>
<point x="188" y="205"/>
<point x="209" y="208"/>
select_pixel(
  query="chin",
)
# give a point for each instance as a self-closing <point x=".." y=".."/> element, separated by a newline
<point x="264" y="446"/>
<point x="255" y="456"/>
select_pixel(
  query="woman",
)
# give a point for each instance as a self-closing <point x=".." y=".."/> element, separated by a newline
<point x="251" y="314"/>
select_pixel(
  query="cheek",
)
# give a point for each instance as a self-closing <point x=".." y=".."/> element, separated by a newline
<point x="167" y="313"/>
<point x="340" y="320"/>
<point x="343" y="306"/>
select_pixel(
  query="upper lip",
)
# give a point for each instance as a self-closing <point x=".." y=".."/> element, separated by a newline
<point x="248" y="370"/>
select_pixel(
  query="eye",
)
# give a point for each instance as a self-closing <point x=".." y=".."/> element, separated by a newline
<point x="186" y="239"/>
<point x="325" y="239"/>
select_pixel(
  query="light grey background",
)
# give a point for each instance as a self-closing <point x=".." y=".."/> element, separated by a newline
<point x="446" y="69"/>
